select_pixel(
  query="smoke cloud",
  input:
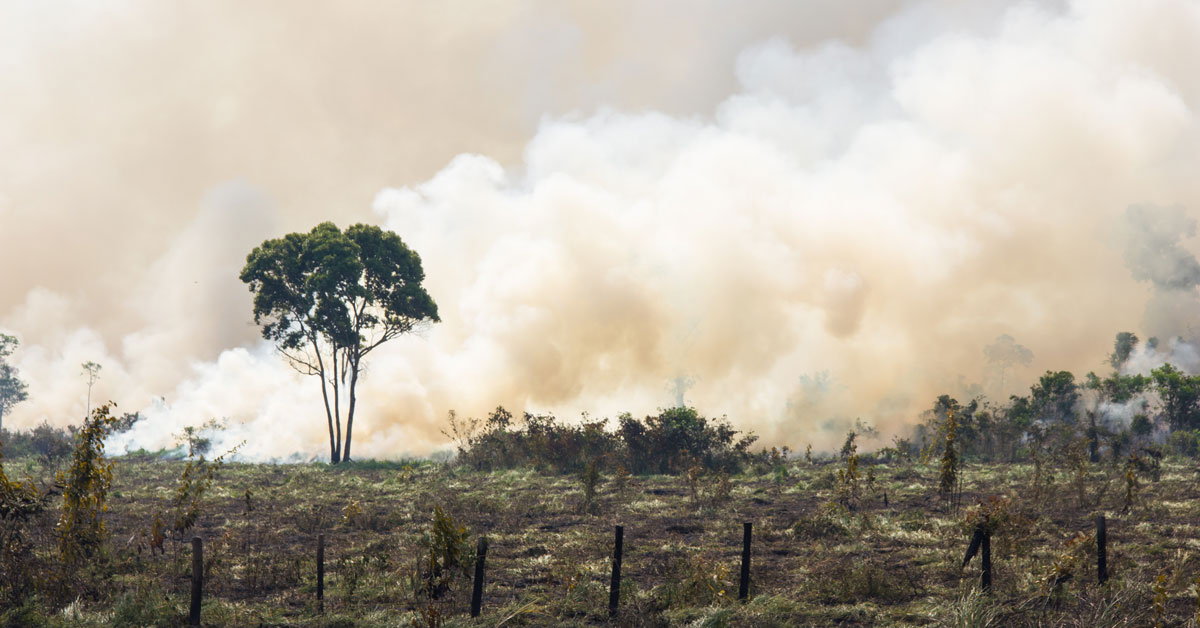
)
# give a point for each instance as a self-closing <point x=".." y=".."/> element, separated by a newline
<point x="816" y="213"/>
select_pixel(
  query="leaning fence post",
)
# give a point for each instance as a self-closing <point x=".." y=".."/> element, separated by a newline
<point x="614" y="588"/>
<point x="197" y="580"/>
<point x="744" y="586"/>
<point x="477" y="590"/>
<point x="1101" y="549"/>
<point x="320" y="573"/>
<point x="985" y="579"/>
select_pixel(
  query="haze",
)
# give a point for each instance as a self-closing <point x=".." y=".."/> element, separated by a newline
<point x="813" y="212"/>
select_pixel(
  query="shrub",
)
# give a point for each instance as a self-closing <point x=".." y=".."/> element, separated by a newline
<point x="85" y="489"/>
<point x="671" y="442"/>
<point x="50" y="443"/>
<point x="20" y="504"/>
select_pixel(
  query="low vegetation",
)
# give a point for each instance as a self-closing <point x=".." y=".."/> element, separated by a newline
<point x="401" y="539"/>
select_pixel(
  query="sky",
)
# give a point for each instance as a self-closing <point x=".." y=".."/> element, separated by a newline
<point x="812" y="212"/>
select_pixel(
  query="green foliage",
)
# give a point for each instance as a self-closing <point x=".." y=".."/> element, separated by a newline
<point x="1055" y="397"/>
<point x="52" y="444"/>
<point x="1123" y="347"/>
<point x="671" y="442"/>
<point x="948" y="477"/>
<point x="327" y="298"/>
<point x="448" y="555"/>
<point x="12" y="389"/>
<point x="1180" y="396"/>
<point x="85" y="485"/>
<point x="847" y="491"/>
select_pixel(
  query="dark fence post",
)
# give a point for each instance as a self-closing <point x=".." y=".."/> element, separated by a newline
<point x="197" y="580"/>
<point x="744" y="586"/>
<point x="1101" y="549"/>
<point x="477" y="590"/>
<point x="614" y="587"/>
<point x="985" y="579"/>
<point x="320" y="573"/>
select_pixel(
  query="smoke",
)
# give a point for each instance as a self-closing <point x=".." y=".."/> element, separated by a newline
<point x="877" y="201"/>
<point x="1154" y="254"/>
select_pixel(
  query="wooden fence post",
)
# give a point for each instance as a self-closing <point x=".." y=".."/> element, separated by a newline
<point x="985" y="579"/>
<point x="981" y="540"/>
<point x="477" y="590"/>
<point x="320" y="573"/>
<point x="197" y="580"/>
<point x="1101" y="549"/>
<point x="744" y="586"/>
<point x="614" y="587"/>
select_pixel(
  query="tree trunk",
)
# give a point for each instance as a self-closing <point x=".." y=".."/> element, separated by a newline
<point x="350" y="410"/>
<point x="333" y="450"/>
<point x="337" y="406"/>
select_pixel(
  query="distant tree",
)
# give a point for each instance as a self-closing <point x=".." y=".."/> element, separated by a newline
<point x="12" y="389"/>
<point x="92" y="371"/>
<point x="1123" y="347"/>
<point x="1055" y="396"/>
<point x="328" y="298"/>
<point x="1180" y="396"/>
<point x="1004" y="354"/>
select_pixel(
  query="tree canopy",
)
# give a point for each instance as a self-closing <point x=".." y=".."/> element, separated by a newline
<point x="327" y="298"/>
<point x="12" y="389"/>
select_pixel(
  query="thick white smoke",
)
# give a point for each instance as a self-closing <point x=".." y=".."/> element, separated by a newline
<point x="878" y="211"/>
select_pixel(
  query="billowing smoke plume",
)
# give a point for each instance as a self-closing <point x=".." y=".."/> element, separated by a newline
<point x="1154" y="254"/>
<point x="838" y="236"/>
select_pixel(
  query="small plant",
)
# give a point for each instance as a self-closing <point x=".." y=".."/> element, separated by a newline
<point x="196" y="478"/>
<point x="351" y="513"/>
<point x="1159" y="598"/>
<point x="622" y="479"/>
<point x="949" y="480"/>
<point x="85" y="485"/>
<point x="590" y="479"/>
<point x="708" y="489"/>
<point x="448" y="555"/>
<point x="847" y="489"/>
<point x="1131" y="483"/>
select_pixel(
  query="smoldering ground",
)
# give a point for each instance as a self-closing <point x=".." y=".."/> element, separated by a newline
<point x="878" y="199"/>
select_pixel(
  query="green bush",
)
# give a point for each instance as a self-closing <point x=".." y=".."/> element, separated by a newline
<point x="671" y="442"/>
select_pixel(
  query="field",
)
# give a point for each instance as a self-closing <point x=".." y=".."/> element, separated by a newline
<point x="815" y="561"/>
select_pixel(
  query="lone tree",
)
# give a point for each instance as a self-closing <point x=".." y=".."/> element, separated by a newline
<point x="12" y="389"/>
<point x="328" y="298"/>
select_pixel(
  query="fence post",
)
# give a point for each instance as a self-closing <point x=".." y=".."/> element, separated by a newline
<point x="614" y="587"/>
<point x="477" y="590"/>
<point x="197" y="580"/>
<point x="320" y="573"/>
<point x="985" y="579"/>
<point x="1101" y="549"/>
<point x="744" y="586"/>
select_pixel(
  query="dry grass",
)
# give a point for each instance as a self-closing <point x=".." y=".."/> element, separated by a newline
<point x="814" y="563"/>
